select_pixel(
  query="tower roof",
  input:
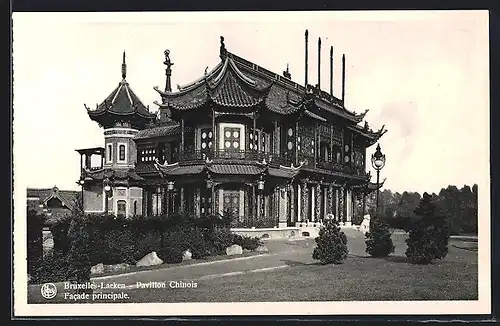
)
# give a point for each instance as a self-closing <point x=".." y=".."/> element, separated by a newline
<point x="237" y="82"/>
<point x="121" y="105"/>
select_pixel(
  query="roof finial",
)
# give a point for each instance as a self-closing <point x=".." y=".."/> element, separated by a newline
<point x="306" y="64"/>
<point x="124" y="67"/>
<point x="223" y="50"/>
<point x="168" y="71"/>
<point x="286" y="73"/>
<point x="343" y="78"/>
<point x="319" y="63"/>
<point x="331" y="70"/>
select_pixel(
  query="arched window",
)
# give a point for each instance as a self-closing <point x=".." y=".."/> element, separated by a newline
<point x="121" y="208"/>
<point x="110" y="153"/>
<point x="121" y="152"/>
<point x="135" y="207"/>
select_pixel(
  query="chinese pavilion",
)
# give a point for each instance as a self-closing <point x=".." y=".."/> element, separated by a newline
<point x="240" y="139"/>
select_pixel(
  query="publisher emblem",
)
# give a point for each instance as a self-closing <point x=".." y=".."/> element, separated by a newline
<point x="48" y="290"/>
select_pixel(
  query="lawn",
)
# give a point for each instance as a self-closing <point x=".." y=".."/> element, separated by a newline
<point x="360" y="278"/>
<point x="300" y="278"/>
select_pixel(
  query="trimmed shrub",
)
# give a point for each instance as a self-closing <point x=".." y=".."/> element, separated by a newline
<point x="170" y="255"/>
<point x="331" y="244"/>
<point x="52" y="268"/>
<point x="378" y="240"/>
<point x="220" y="238"/>
<point x="200" y="247"/>
<point x="246" y="242"/>
<point x="429" y="235"/>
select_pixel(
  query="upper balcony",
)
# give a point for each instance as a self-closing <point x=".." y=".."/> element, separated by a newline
<point x="234" y="155"/>
<point x="91" y="158"/>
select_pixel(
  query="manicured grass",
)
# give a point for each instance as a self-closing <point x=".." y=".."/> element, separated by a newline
<point x="300" y="278"/>
<point x="359" y="279"/>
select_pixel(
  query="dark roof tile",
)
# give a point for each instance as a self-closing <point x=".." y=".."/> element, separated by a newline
<point x="159" y="131"/>
<point x="235" y="169"/>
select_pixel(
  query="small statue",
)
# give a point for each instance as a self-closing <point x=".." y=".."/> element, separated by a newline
<point x="206" y="70"/>
<point x="366" y="125"/>
<point x="167" y="62"/>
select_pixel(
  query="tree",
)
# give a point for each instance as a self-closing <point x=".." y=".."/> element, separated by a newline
<point x="378" y="240"/>
<point x="331" y="244"/>
<point x="79" y="256"/>
<point x="34" y="239"/>
<point x="429" y="235"/>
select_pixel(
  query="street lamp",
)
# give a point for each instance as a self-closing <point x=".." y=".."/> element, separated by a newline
<point x="107" y="189"/>
<point x="378" y="163"/>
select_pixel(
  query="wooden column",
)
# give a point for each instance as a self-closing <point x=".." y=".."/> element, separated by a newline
<point x="214" y="133"/>
<point x="317" y="203"/>
<point x="88" y="161"/>
<point x="182" y="136"/>
<point x="325" y="201"/>
<point x="254" y="203"/>
<point x="364" y="205"/>
<point x="331" y="143"/>
<point x="167" y="203"/>
<point x="337" y="204"/>
<point x="296" y="158"/>
<point x="182" y="203"/>
<point x="214" y="208"/>
<point x="258" y="207"/>
<point x="342" y="204"/>
<point x="254" y="131"/>
<point x="303" y="209"/>
<point x="292" y="204"/>
<point x="329" y="200"/>
<point x="316" y="144"/>
<point x="275" y="137"/>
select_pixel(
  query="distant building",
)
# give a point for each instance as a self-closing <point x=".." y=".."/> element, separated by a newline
<point x="57" y="203"/>
<point x="240" y="139"/>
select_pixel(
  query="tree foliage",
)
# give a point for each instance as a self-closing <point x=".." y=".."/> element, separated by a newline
<point x="378" y="240"/>
<point x="429" y="235"/>
<point x="459" y="206"/>
<point x="331" y="244"/>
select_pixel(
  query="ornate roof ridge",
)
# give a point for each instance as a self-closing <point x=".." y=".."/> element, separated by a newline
<point x="181" y="90"/>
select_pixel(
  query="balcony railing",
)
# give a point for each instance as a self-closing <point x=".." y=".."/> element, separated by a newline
<point x="199" y="155"/>
<point x="250" y="222"/>
<point x="279" y="159"/>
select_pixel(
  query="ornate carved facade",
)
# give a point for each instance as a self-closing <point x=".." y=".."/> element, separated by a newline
<point x="240" y="140"/>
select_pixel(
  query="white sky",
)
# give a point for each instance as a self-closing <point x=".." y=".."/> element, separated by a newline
<point x="425" y="75"/>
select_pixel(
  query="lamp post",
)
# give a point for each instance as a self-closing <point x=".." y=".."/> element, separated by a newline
<point x="260" y="199"/>
<point x="107" y="189"/>
<point x="378" y="163"/>
<point x="170" y="188"/>
<point x="81" y="183"/>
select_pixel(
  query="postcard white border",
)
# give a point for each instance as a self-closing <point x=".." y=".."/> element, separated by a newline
<point x="480" y="306"/>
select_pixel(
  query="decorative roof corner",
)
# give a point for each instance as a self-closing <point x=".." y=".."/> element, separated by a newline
<point x="223" y="50"/>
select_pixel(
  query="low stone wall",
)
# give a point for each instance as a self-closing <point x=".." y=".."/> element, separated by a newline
<point x="269" y="233"/>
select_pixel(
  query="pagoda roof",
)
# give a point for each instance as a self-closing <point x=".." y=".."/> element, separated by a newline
<point x="237" y="82"/>
<point x="168" y="129"/>
<point x="112" y="174"/>
<point x="255" y="168"/>
<point x="225" y="86"/>
<point x="121" y="104"/>
<point x="368" y="133"/>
